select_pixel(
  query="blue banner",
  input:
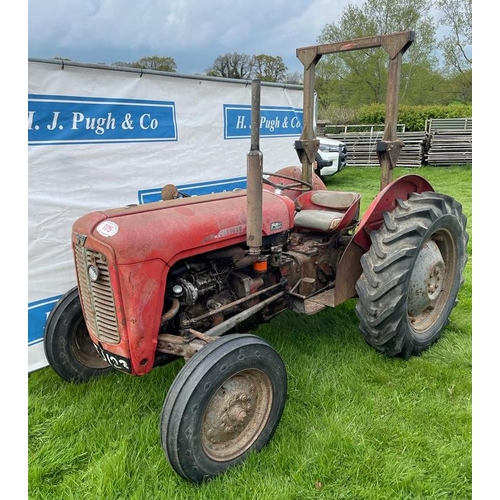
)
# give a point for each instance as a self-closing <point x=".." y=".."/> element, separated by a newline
<point x="38" y="312"/>
<point x="55" y="119"/>
<point x="275" y="121"/>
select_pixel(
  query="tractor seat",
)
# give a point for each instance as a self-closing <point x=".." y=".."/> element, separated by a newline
<point x="326" y="211"/>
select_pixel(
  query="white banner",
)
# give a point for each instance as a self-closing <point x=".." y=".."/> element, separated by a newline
<point x="101" y="137"/>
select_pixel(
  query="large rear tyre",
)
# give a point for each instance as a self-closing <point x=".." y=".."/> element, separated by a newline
<point x="412" y="274"/>
<point x="225" y="403"/>
<point x="67" y="344"/>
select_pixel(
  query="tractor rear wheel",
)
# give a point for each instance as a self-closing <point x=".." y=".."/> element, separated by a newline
<point x="225" y="403"/>
<point x="67" y="344"/>
<point x="412" y="274"/>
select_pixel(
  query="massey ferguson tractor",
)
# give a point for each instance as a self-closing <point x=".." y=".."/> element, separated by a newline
<point x="190" y="277"/>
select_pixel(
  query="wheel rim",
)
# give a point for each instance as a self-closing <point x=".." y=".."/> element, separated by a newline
<point x="236" y="415"/>
<point x="84" y="350"/>
<point x="431" y="281"/>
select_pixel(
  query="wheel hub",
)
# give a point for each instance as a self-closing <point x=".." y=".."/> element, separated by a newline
<point x="426" y="283"/>
<point x="236" y="414"/>
<point x="239" y="409"/>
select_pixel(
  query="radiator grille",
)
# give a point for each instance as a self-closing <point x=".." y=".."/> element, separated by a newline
<point x="97" y="296"/>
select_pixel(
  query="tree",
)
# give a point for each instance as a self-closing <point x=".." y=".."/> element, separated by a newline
<point x="245" y="67"/>
<point x="297" y="78"/>
<point x="238" y="66"/>
<point x="461" y="86"/>
<point x="360" y="77"/>
<point x="152" y="62"/>
<point x="457" y="15"/>
<point x="268" y="68"/>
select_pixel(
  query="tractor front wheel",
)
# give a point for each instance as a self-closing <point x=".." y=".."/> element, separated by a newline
<point x="412" y="274"/>
<point x="225" y="403"/>
<point x="67" y="344"/>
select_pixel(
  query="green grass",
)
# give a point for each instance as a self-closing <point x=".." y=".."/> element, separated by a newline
<point x="357" y="425"/>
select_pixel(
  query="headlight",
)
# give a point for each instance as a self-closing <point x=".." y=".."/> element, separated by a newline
<point x="93" y="272"/>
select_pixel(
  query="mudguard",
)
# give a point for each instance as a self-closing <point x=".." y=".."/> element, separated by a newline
<point x="349" y="268"/>
<point x="385" y="201"/>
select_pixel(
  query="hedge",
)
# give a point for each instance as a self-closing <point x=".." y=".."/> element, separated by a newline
<point x="413" y="117"/>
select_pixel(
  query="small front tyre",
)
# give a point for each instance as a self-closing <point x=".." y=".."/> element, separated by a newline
<point x="67" y="344"/>
<point x="225" y="403"/>
<point x="412" y="274"/>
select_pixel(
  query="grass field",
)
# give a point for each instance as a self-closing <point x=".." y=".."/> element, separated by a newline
<point x="357" y="425"/>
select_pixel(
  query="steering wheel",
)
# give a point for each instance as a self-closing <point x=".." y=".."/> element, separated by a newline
<point x="298" y="185"/>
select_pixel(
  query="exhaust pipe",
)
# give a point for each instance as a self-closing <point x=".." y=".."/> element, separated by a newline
<point x="254" y="178"/>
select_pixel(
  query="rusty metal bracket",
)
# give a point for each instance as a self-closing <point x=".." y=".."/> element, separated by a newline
<point x="388" y="154"/>
<point x="308" y="149"/>
<point x="174" y="344"/>
<point x="182" y="346"/>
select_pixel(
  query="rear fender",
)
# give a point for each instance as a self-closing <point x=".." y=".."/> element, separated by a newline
<point x="349" y="268"/>
<point x="386" y="202"/>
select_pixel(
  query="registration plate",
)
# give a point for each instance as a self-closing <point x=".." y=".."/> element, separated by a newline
<point x="118" y="362"/>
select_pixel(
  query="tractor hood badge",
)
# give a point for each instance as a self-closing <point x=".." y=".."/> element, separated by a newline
<point x="80" y="239"/>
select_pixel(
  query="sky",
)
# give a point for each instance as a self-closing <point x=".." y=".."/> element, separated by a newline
<point x="192" y="32"/>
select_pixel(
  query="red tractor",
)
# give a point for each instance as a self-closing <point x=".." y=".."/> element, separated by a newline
<point x="188" y="277"/>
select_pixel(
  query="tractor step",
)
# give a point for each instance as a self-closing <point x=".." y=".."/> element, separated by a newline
<point x="316" y="303"/>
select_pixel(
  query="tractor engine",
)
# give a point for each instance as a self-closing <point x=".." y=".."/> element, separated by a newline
<point x="199" y="291"/>
<point x="205" y="291"/>
<point x="202" y="292"/>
